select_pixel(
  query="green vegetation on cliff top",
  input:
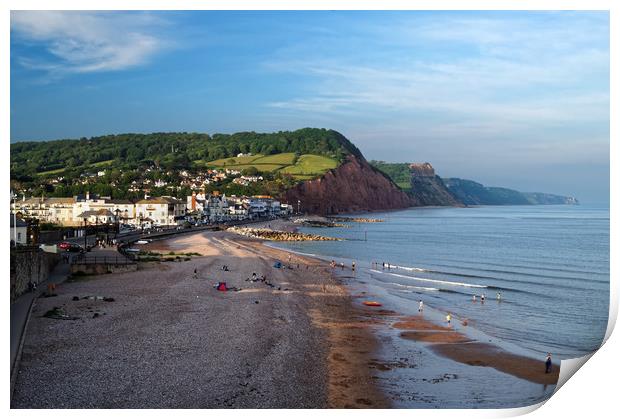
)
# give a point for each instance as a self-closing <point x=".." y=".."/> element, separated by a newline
<point x="171" y="150"/>
<point x="301" y="167"/>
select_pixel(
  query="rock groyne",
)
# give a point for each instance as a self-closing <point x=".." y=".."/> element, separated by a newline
<point x="276" y="235"/>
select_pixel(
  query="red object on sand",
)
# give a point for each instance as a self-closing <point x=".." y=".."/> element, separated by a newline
<point x="372" y="304"/>
<point x="221" y="286"/>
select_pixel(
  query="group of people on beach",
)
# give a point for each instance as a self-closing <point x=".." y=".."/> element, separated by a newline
<point x="384" y="265"/>
<point x="333" y="264"/>
<point x="498" y="297"/>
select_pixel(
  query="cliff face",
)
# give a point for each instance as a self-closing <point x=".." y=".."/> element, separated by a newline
<point x="474" y="193"/>
<point x="352" y="187"/>
<point x="427" y="189"/>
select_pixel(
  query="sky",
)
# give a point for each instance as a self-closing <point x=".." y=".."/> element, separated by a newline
<point x="513" y="99"/>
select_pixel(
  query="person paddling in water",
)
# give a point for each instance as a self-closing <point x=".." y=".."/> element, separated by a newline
<point x="482" y="298"/>
<point x="548" y="364"/>
<point x="473" y="298"/>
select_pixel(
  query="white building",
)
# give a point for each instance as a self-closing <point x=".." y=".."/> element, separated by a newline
<point x="216" y="208"/>
<point x="164" y="210"/>
<point x="19" y="231"/>
<point x="100" y="216"/>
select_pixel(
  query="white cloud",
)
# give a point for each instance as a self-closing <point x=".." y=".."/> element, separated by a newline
<point x="83" y="42"/>
<point x="495" y="75"/>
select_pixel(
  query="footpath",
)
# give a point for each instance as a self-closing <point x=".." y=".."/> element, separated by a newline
<point x="20" y="312"/>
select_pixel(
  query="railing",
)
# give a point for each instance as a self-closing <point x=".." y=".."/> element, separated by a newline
<point x="101" y="260"/>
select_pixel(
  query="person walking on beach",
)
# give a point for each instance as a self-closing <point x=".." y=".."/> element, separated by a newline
<point x="353" y="266"/>
<point x="421" y="306"/>
<point x="195" y="275"/>
<point x="448" y="318"/>
<point x="499" y="296"/>
<point x="342" y="266"/>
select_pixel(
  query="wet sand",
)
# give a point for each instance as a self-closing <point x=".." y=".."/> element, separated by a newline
<point x="446" y="342"/>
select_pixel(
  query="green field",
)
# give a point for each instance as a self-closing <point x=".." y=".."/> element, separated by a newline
<point x="306" y="167"/>
<point x="311" y="164"/>
<point x="51" y="172"/>
<point x="280" y="159"/>
<point x="232" y="161"/>
<point x="86" y="166"/>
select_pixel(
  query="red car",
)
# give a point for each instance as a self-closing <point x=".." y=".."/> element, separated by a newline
<point x="64" y="245"/>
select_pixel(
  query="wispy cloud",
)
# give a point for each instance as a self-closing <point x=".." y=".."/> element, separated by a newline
<point x="85" y="42"/>
<point x="489" y="71"/>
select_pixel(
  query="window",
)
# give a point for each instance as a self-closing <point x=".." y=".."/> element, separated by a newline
<point x="19" y="237"/>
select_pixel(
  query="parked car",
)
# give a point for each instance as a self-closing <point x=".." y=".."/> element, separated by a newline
<point x="64" y="245"/>
<point x="75" y="248"/>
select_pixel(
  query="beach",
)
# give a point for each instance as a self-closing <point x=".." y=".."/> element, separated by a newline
<point x="299" y="339"/>
<point x="171" y="341"/>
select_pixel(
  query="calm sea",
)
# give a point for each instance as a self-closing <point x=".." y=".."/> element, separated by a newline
<point x="550" y="264"/>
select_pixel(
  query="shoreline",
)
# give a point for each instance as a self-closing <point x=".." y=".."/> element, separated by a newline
<point x="328" y="343"/>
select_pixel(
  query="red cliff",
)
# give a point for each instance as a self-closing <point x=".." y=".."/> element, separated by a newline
<point x="354" y="186"/>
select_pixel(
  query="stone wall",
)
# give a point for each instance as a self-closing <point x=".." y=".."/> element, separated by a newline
<point x="30" y="264"/>
<point x="102" y="268"/>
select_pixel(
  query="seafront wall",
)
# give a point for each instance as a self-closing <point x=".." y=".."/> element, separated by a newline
<point x="30" y="264"/>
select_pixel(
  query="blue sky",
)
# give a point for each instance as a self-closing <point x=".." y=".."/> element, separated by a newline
<point x="515" y="99"/>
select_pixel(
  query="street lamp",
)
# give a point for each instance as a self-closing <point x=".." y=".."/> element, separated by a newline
<point x="14" y="197"/>
<point x="85" y="233"/>
<point x="118" y="225"/>
<point x="298" y="204"/>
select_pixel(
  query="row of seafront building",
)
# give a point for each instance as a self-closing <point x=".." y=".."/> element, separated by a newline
<point x="147" y="212"/>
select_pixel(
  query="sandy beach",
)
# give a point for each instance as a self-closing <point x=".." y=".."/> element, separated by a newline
<point x="171" y="341"/>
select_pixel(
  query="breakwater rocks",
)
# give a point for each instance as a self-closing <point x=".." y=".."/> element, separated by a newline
<point x="356" y="220"/>
<point x="317" y="223"/>
<point x="276" y="235"/>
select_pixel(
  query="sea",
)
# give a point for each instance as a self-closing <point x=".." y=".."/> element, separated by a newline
<point x="549" y="266"/>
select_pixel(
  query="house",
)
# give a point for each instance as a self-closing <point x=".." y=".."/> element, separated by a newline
<point x="238" y="211"/>
<point x="196" y="202"/>
<point x="100" y="216"/>
<point x="47" y="210"/>
<point x="164" y="210"/>
<point x="19" y="231"/>
<point x="216" y="208"/>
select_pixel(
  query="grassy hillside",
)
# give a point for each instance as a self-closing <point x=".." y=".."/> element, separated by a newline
<point x="306" y="166"/>
<point x="30" y="159"/>
<point x="398" y="172"/>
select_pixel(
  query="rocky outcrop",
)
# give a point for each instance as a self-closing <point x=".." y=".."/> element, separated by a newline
<point x="354" y="186"/>
<point x="427" y="189"/>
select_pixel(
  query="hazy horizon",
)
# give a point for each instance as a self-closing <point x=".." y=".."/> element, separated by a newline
<point x="512" y="99"/>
